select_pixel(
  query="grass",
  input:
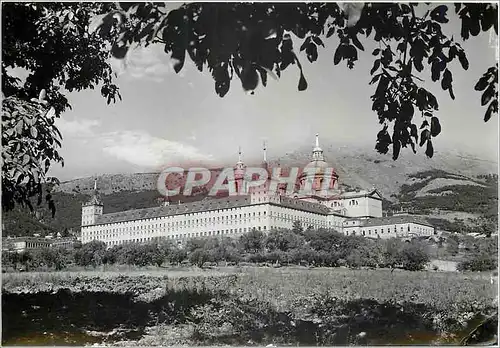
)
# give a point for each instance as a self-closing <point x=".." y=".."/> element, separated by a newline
<point x="230" y="305"/>
<point x="283" y="287"/>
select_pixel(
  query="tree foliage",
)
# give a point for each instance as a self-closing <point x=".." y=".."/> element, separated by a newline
<point x="52" y="43"/>
<point x="252" y="41"/>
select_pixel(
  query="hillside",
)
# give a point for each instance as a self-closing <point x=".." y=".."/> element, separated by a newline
<point x="447" y="188"/>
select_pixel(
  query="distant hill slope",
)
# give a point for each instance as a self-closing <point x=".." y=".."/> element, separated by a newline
<point x="446" y="187"/>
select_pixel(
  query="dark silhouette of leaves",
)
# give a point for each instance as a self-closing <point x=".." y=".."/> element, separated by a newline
<point x="302" y="82"/>
<point x="492" y="108"/>
<point x="429" y="151"/>
<point x="424" y="136"/>
<point x="439" y="14"/>
<point x="435" y="127"/>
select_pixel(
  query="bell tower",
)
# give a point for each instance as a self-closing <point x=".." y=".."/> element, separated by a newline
<point x="239" y="174"/>
<point x="92" y="208"/>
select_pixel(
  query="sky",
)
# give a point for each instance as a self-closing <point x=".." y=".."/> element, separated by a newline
<point x="168" y="118"/>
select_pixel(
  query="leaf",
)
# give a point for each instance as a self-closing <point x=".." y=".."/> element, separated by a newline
<point x="302" y="82"/>
<point x="34" y="132"/>
<point x="474" y="26"/>
<point x="401" y="47"/>
<point x="482" y="83"/>
<point x="375" y="79"/>
<point x="487" y="95"/>
<point x="439" y="14"/>
<point x="435" y="126"/>
<point x="42" y="95"/>
<point x="414" y="132"/>
<point x="339" y="54"/>
<point x="493" y="107"/>
<point x="263" y="76"/>
<point x="447" y="80"/>
<point x="305" y="44"/>
<point x="356" y="42"/>
<point x="119" y="52"/>
<point x="450" y="90"/>
<point x="407" y="111"/>
<point x="376" y="65"/>
<point x="424" y="136"/>
<point x="463" y="60"/>
<point x="396" y="147"/>
<point x="19" y="127"/>
<point x="312" y="52"/>
<point x="429" y="151"/>
<point x="436" y="71"/>
<point x="222" y="81"/>
<point x="318" y="41"/>
<point x="331" y="31"/>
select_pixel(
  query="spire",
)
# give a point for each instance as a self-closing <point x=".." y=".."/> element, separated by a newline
<point x="317" y="153"/>
<point x="96" y="198"/>
<point x="265" y="151"/>
<point x="239" y="165"/>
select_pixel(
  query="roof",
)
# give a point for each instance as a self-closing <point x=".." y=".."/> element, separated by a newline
<point x="298" y="204"/>
<point x="317" y="164"/>
<point x="394" y="220"/>
<point x="174" y="209"/>
<point x="362" y="193"/>
<point x="94" y="200"/>
<point x="26" y="239"/>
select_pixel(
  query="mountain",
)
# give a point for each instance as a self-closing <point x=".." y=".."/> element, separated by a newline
<point x="451" y="187"/>
<point x="363" y="167"/>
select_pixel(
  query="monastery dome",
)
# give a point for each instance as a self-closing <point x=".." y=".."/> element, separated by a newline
<point x="317" y="164"/>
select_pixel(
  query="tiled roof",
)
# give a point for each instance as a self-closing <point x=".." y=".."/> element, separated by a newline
<point x="401" y="219"/>
<point x="174" y="209"/>
<point x="304" y="205"/>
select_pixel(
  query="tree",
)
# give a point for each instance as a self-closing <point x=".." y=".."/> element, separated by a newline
<point x="282" y="240"/>
<point x="252" y="41"/>
<point x="414" y="256"/>
<point x="26" y="258"/>
<point x="52" y="42"/>
<point x="176" y="255"/>
<point x="10" y="259"/>
<point x="51" y="258"/>
<point x="478" y="262"/>
<point x="297" y="227"/>
<point x="452" y="244"/>
<point x="198" y="257"/>
<point x="91" y="254"/>
<point x="323" y="239"/>
<point x="253" y="241"/>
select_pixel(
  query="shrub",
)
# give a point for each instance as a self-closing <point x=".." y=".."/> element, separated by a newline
<point x="479" y="263"/>
<point x="414" y="256"/>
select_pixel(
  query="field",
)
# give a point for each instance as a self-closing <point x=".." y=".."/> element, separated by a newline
<point x="238" y="305"/>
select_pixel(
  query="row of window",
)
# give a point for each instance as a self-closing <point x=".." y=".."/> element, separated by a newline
<point x="181" y="236"/>
<point x="364" y="232"/>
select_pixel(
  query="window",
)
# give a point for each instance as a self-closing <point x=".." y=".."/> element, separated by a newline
<point x="408" y="228"/>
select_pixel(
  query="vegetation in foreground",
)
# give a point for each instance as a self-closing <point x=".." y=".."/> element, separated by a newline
<point x="249" y="305"/>
<point x="314" y="248"/>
